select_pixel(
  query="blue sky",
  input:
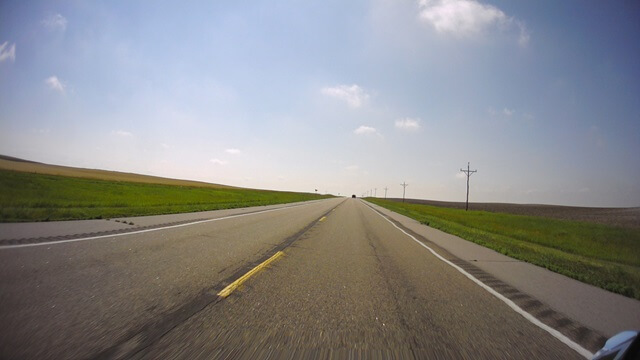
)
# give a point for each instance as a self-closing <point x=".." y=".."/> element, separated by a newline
<point x="542" y="97"/>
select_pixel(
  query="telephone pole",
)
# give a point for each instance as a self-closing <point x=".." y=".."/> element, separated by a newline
<point x="385" y="192"/>
<point x="404" y="188"/>
<point x="375" y="192"/>
<point x="469" y="173"/>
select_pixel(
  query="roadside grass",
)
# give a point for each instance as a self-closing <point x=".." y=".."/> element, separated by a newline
<point x="600" y="255"/>
<point x="39" y="197"/>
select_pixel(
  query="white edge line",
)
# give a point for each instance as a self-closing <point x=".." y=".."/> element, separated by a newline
<point x="555" y="333"/>
<point x="6" y="247"/>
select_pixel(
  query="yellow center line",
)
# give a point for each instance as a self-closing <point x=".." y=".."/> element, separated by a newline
<point x="234" y="285"/>
<point x="323" y="218"/>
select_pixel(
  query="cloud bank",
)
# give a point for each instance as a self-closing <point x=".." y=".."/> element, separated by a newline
<point x="218" y="162"/>
<point x="123" y="133"/>
<point x="55" y="22"/>
<point x="54" y="84"/>
<point x="365" y="130"/>
<point x="7" y="52"/>
<point x="465" y="18"/>
<point x="408" y="124"/>
<point x="353" y="94"/>
<point x="233" y="151"/>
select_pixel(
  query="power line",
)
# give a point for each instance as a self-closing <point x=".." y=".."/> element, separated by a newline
<point x="404" y="188"/>
<point x="469" y="173"/>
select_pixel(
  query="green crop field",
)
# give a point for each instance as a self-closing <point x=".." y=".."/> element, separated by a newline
<point x="41" y="197"/>
<point x="601" y="255"/>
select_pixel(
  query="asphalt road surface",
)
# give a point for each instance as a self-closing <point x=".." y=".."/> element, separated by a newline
<point x="350" y="284"/>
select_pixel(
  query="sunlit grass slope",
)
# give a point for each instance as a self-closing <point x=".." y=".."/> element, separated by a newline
<point x="604" y="256"/>
<point x="9" y="163"/>
<point x="39" y="197"/>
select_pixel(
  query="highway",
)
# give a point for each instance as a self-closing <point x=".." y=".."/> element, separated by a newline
<point x="344" y="282"/>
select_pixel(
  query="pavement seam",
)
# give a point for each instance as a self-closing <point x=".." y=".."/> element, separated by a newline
<point x="60" y="239"/>
<point x="569" y="332"/>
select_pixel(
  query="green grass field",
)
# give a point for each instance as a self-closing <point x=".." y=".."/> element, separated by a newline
<point x="604" y="256"/>
<point x="40" y="197"/>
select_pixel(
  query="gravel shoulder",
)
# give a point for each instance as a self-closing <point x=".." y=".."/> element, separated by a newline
<point x="601" y="310"/>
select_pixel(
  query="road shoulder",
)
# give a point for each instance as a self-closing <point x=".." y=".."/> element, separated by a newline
<point x="604" y="312"/>
<point x="19" y="234"/>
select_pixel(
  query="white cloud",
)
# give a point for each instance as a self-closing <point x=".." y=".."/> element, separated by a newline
<point x="460" y="17"/>
<point x="354" y="95"/>
<point x="165" y="146"/>
<point x="408" y="124"/>
<point x="7" y="52"/>
<point x="55" y="22"/>
<point x="464" y="18"/>
<point x="508" y="112"/>
<point x="122" y="133"/>
<point x="365" y="130"/>
<point x="352" y="168"/>
<point x="233" y="151"/>
<point x="218" y="162"/>
<point x="461" y="175"/>
<point x="54" y="83"/>
<point x="525" y="35"/>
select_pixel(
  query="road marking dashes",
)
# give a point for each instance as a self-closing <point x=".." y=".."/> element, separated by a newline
<point x="234" y="285"/>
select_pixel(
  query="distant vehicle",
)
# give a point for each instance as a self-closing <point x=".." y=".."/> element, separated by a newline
<point x="353" y="196"/>
<point x="625" y="345"/>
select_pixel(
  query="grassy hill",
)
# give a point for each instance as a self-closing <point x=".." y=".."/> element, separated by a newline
<point x="602" y="255"/>
<point x="40" y="192"/>
<point x="20" y="165"/>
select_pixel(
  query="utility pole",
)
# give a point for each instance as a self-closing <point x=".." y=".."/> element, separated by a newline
<point x="375" y="193"/>
<point x="404" y="188"/>
<point x="385" y="192"/>
<point x="469" y="173"/>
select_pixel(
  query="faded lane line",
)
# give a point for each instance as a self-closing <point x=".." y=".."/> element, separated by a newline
<point x="5" y="247"/>
<point x="234" y="285"/>
<point x="553" y="332"/>
<point x="322" y="219"/>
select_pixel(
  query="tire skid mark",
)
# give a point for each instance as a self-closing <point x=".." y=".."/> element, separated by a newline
<point x="138" y="340"/>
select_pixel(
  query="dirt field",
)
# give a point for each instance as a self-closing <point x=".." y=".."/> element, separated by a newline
<point x="624" y="217"/>
<point x="10" y="163"/>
